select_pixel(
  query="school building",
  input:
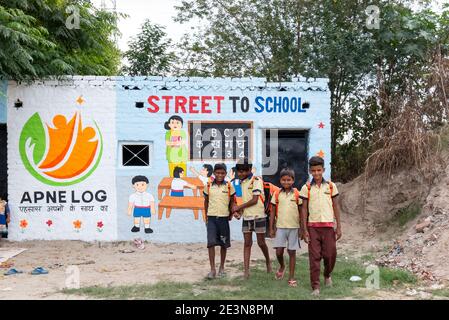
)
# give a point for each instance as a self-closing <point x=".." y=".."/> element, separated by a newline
<point x="71" y="147"/>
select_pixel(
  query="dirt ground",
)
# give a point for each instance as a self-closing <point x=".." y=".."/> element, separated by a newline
<point x="113" y="264"/>
<point x="105" y="264"/>
<point x="121" y="263"/>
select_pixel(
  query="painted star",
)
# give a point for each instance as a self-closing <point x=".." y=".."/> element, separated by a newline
<point x="80" y="100"/>
<point x="321" y="125"/>
<point x="320" y="154"/>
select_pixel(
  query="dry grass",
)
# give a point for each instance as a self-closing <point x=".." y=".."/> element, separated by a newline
<point x="414" y="134"/>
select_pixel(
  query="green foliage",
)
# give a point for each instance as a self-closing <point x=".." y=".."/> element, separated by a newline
<point x="35" y="41"/>
<point x="148" y="53"/>
<point x="278" y="39"/>
<point x="241" y="38"/>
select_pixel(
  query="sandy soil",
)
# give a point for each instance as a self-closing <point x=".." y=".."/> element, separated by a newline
<point x="104" y="264"/>
<point x="111" y="264"/>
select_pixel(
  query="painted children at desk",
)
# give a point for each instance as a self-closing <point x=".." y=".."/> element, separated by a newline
<point x="205" y="174"/>
<point x="141" y="204"/>
<point x="178" y="184"/>
<point x="176" y="144"/>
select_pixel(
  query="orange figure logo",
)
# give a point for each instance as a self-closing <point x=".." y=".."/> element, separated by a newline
<point x="63" y="153"/>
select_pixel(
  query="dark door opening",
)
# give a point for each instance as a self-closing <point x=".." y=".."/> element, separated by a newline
<point x="292" y="153"/>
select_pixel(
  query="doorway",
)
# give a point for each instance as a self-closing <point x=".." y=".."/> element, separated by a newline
<point x="292" y="153"/>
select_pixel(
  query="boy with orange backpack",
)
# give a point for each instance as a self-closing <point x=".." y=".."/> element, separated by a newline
<point x="318" y="212"/>
<point x="285" y="211"/>
<point x="253" y="211"/>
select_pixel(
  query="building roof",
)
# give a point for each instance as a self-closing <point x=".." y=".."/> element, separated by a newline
<point x="187" y="83"/>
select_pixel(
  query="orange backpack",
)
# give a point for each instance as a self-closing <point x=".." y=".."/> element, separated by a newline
<point x="276" y="195"/>
<point x="331" y="188"/>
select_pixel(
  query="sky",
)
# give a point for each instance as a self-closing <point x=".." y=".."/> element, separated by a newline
<point x="158" y="11"/>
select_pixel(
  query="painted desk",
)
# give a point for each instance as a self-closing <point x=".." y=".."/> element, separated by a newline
<point x="188" y="202"/>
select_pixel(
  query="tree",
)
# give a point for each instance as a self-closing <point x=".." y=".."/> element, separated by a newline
<point x="278" y="39"/>
<point x="242" y="38"/>
<point x="149" y="53"/>
<point x="36" y="42"/>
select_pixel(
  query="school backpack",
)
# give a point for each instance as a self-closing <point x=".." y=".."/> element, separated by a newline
<point x="276" y="197"/>
<point x="309" y="186"/>
<point x="331" y="189"/>
<point x="268" y="191"/>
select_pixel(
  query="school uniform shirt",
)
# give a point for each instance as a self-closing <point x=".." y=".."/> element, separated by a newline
<point x="141" y="199"/>
<point x="288" y="211"/>
<point x="218" y="199"/>
<point x="321" y="210"/>
<point x="178" y="184"/>
<point x="250" y="189"/>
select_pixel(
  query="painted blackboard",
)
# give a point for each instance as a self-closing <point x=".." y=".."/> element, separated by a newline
<point x="218" y="140"/>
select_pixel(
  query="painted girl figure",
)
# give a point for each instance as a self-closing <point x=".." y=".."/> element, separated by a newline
<point x="176" y="144"/>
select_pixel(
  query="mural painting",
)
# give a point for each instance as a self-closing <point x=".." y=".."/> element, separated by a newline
<point x="120" y="158"/>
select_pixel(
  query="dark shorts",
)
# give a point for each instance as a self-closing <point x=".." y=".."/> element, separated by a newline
<point x="257" y="225"/>
<point x="218" y="232"/>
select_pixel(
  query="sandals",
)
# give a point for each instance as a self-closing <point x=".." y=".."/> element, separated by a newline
<point x="292" y="283"/>
<point x="279" y="275"/>
<point x="139" y="244"/>
<point x="210" y="276"/>
<point x="36" y="271"/>
<point x="12" y="271"/>
<point x="39" y="270"/>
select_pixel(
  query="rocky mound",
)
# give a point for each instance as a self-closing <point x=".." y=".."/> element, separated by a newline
<point x="421" y="244"/>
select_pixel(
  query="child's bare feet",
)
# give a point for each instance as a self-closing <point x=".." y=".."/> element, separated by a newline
<point x="316" y="292"/>
<point x="328" y="282"/>
<point x="246" y="275"/>
<point x="221" y="273"/>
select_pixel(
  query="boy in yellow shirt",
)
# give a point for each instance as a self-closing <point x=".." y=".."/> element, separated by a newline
<point x="318" y="212"/>
<point x="285" y="210"/>
<point x="253" y="211"/>
<point x="218" y="199"/>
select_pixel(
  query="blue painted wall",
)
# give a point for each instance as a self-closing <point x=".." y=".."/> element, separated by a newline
<point x="136" y="125"/>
